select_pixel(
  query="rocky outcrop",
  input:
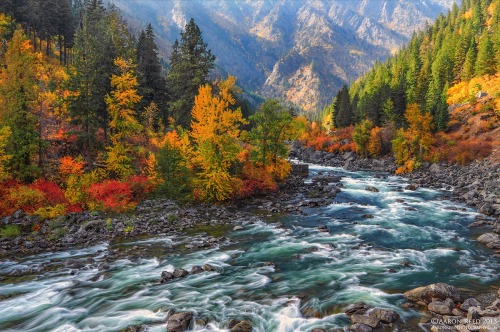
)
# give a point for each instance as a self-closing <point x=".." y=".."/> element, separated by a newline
<point x="443" y="304"/>
<point x="366" y="318"/>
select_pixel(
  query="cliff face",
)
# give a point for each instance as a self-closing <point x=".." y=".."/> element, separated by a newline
<point x="300" y="50"/>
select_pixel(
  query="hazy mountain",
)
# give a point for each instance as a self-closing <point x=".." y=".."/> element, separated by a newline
<point x="300" y="50"/>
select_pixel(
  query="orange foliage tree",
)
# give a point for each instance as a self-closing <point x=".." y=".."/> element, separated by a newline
<point x="410" y="146"/>
<point x="215" y="130"/>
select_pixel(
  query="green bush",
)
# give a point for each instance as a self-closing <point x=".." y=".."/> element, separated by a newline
<point x="10" y="231"/>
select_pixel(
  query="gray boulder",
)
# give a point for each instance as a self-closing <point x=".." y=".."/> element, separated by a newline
<point x="441" y="307"/>
<point x="472" y="302"/>
<point x="366" y="320"/>
<point x="179" y="322"/>
<point x="358" y="327"/>
<point x="384" y="315"/>
<point x="372" y="189"/>
<point x="426" y="294"/>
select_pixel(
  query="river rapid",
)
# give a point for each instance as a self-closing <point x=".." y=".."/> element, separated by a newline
<point x="281" y="272"/>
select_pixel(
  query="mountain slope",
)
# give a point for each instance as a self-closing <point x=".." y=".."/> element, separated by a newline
<point x="300" y="50"/>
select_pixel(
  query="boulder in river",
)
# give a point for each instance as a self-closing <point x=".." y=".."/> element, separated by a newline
<point x="372" y="189"/>
<point x="425" y="295"/>
<point x="208" y="268"/>
<point x="239" y="326"/>
<point x="365" y="319"/>
<point x="166" y="277"/>
<point x="412" y="186"/>
<point x="358" y="327"/>
<point x="384" y="315"/>
<point x="179" y="322"/>
<point x="357" y="308"/>
<point x="196" y="269"/>
<point x="441" y="307"/>
<point x="180" y="273"/>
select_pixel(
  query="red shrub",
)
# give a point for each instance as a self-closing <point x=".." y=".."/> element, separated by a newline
<point x="114" y="195"/>
<point x="52" y="192"/>
<point x="141" y="186"/>
<point x="256" y="180"/>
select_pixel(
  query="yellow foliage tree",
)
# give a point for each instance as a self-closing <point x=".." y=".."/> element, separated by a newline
<point x="375" y="143"/>
<point x="215" y="130"/>
<point x="4" y="157"/>
<point x="410" y="146"/>
<point x="123" y="124"/>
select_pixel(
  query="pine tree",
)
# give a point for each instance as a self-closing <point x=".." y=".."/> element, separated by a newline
<point x="152" y="85"/>
<point x="485" y="63"/>
<point x="190" y="65"/>
<point x="470" y="60"/>
<point x="342" y="110"/>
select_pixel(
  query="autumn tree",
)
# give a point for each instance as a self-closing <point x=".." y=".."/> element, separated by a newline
<point x="4" y="157"/>
<point x="190" y="65"/>
<point x="18" y="94"/>
<point x="411" y="145"/>
<point x="215" y="130"/>
<point x="123" y="124"/>
<point x="375" y="142"/>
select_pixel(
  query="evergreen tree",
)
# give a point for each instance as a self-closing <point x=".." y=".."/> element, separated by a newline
<point x="470" y="60"/>
<point x="342" y="110"/>
<point x="485" y="63"/>
<point x="93" y="62"/>
<point x="190" y="65"/>
<point x="152" y="85"/>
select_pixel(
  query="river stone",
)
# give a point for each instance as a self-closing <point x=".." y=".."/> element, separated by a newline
<point x="180" y="273"/>
<point x="196" y="269"/>
<point x="412" y="186"/>
<point x="238" y="228"/>
<point x="486" y="209"/>
<point x="473" y="313"/>
<point x="472" y="302"/>
<point x="166" y="276"/>
<point x="426" y="294"/>
<point x="179" y="322"/>
<point x="384" y="315"/>
<point x="242" y="326"/>
<point x="366" y="320"/>
<point x="488" y="237"/>
<point x="358" y="327"/>
<point x="372" y="189"/>
<point x="208" y="268"/>
<point x="357" y="308"/>
<point x="441" y="307"/>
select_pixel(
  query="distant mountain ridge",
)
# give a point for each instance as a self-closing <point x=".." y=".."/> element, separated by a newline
<point x="299" y="50"/>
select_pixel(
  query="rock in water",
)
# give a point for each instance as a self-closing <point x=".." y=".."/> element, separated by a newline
<point x="180" y="273"/>
<point x="366" y="320"/>
<point x="384" y="315"/>
<point x="472" y="302"/>
<point x="179" y="322"/>
<point x="425" y="295"/>
<point x="358" y="327"/>
<point x="196" y="269"/>
<point x="241" y="326"/>
<point x="372" y="189"/>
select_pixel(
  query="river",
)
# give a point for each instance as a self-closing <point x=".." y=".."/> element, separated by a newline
<point x="379" y="244"/>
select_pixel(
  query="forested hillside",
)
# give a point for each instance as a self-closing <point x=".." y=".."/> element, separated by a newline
<point x="427" y="86"/>
<point x="89" y="119"/>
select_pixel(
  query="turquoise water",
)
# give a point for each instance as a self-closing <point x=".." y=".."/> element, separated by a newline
<point x="327" y="270"/>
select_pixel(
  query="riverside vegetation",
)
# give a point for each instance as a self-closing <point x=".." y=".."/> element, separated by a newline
<point x="98" y="143"/>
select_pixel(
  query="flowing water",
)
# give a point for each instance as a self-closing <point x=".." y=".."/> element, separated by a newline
<point x="327" y="270"/>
